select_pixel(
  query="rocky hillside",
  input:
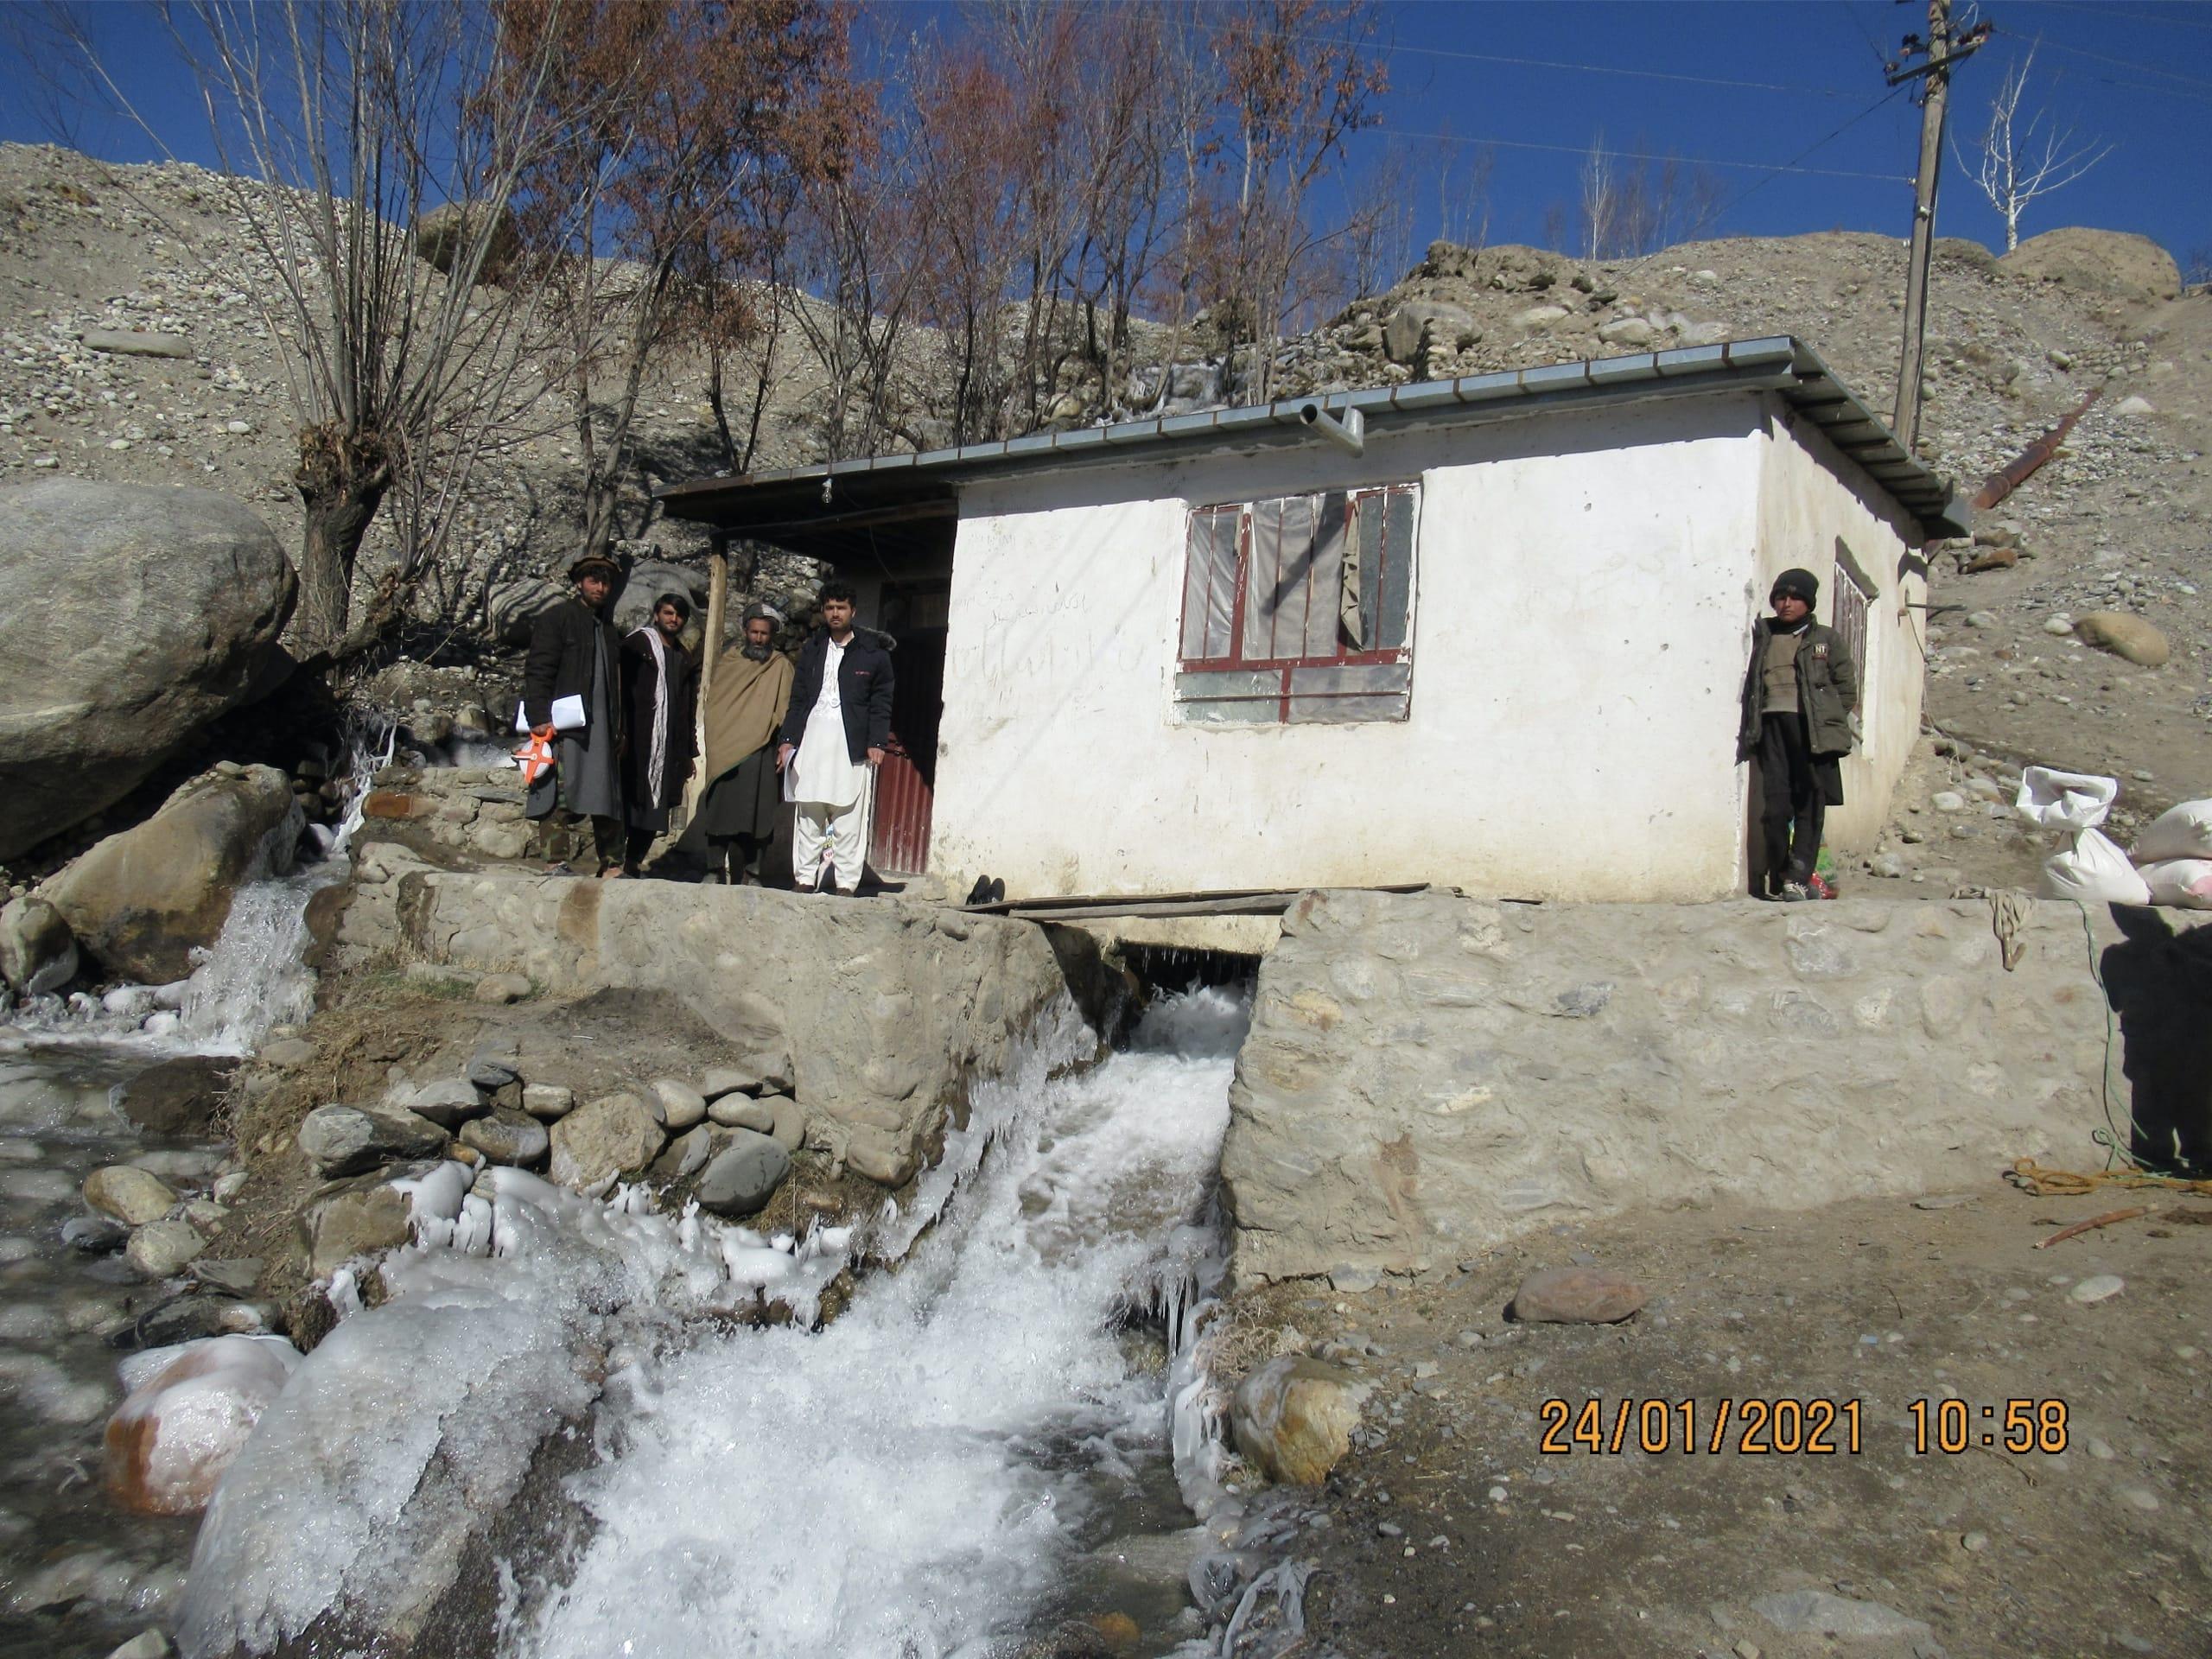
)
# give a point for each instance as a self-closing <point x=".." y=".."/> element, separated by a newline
<point x="130" y="349"/>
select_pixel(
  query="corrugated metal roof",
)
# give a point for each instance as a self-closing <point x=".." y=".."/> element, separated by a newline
<point x="786" y="499"/>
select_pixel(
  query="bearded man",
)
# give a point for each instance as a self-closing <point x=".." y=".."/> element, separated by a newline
<point x="660" y="687"/>
<point x="746" y="704"/>
<point x="571" y="699"/>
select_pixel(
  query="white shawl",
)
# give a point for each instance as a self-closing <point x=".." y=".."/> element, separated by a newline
<point x="656" y="759"/>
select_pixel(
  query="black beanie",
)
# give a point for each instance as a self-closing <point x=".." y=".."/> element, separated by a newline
<point x="1804" y="583"/>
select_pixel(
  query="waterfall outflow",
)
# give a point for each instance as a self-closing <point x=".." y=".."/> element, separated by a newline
<point x="909" y="1482"/>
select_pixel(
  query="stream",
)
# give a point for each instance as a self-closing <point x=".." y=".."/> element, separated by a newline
<point x="985" y="1442"/>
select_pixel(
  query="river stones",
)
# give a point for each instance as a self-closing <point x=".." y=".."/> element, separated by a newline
<point x="681" y="1105"/>
<point x="743" y="1176"/>
<point x="614" y="1135"/>
<point x="1293" y="1418"/>
<point x="744" y="1112"/>
<point x="508" y="1136"/>
<point x="446" y="1102"/>
<point x="181" y="1097"/>
<point x="131" y="1195"/>
<point x="1577" y="1296"/>
<point x="547" y="1100"/>
<point x="347" y="1140"/>
<point x="161" y="1248"/>
<point x="38" y="953"/>
<point x="2127" y="636"/>
<point x="363" y="1215"/>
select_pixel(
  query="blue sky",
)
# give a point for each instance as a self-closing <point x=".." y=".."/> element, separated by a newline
<point x="1743" y="86"/>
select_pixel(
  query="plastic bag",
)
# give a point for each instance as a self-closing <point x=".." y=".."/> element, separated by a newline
<point x="2094" y="870"/>
<point x="2184" y="881"/>
<point x="2183" y="831"/>
<point x="2064" y="800"/>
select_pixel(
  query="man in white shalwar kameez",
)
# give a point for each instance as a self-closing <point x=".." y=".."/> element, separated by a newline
<point x="832" y="741"/>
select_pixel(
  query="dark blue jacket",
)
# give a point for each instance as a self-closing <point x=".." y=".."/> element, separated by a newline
<point x="864" y="683"/>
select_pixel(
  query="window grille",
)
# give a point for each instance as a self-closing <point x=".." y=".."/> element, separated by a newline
<point x="1852" y="603"/>
<point x="1299" y="608"/>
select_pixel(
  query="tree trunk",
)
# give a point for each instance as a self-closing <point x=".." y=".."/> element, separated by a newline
<point x="341" y="479"/>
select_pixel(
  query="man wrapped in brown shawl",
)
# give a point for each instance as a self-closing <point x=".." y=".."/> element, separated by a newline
<point x="745" y="705"/>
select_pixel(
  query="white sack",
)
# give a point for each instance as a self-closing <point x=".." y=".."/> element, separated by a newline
<point x="2064" y="800"/>
<point x="2184" y="881"/>
<point x="2183" y="831"/>
<point x="2094" y="870"/>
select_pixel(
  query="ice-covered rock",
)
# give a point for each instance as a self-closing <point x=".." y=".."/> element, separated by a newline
<point x="190" y="1412"/>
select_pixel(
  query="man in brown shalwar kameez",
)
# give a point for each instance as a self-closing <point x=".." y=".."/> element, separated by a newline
<point x="744" y="707"/>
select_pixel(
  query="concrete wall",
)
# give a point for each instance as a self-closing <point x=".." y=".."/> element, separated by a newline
<point x="1579" y="638"/>
<point x="1428" y="1075"/>
<point x="1812" y="500"/>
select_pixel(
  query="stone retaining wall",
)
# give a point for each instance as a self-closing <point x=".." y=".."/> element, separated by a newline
<point x="887" y="1007"/>
<point x="1428" y="1075"/>
<point x="471" y="809"/>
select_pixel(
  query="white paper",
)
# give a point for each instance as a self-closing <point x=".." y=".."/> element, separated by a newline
<point x="568" y="715"/>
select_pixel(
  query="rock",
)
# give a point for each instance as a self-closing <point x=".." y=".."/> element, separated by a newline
<point x="288" y="1053"/>
<point x="1993" y="558"/>
<point x="347" y="1140"/>
<point x="2098" y="1287"/>
<point x="446" y="1100"/>
<point x="615" y="1135"/>
<point x="744" y="1175"/>
<point x="1577" y="1296"/>
<point x="1405" y="334"/>
<point x="2134" y="408"/>
<point x="681" y="1105"/>
<point x="38" y="953"/>
<point x="140" y="902"/>
<point x="126" y="344"/>
<point x="647" y="579"/>
<point x="2098" y="262"/>
<point x="684" y="1157"/>
<point x="1948" y="800"/>
<point x="885" y="1158"/>
<point x="2123" y="635"/>
<point x="129" y="1195"/>
<point x="1815" y="1612"/>
<point x="148" y="1643"/>
<point x="466" y="233"/>
<point x="181" y="1425"/>
<point x="766" y="1073"/>
<point x="503" y="988"/>
<point x="789" y="1129"/>
<point x="1294" y="1417"/>
<point x="161" y="1248"/>
<point x="94" y="1235"/>
<point x="508" y="1136"/>
<point x="547" y="1100"/>
<point x="183" y="1096"/>
<point x="491" y="1072"/>
<point x="236" y="1275"/>
<point x="1981" y="619"/>
<point x="123" y="670"/>
<point x="1627" y="331"/>
<point x="510" y="607"/>
<point x="744" y="1112"/>
<point x="2061" y="624"/>
<point x="361" y="1216"/>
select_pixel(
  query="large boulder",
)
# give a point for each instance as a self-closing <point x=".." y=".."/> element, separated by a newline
<point x="443" y="237"/>
<point x="155" y="609"/>
<point x="347" y="1140"/>
<point x="510" y="609"/>
<point x="646" y="582"/>
<point x="1415" y="323"/>
<point x="140" y="902"/>
<point x="191" y="1411"/>
<point x="2127" y="635"/>
<point x="183" y="1095"/>
<point x="38" y="953"/>
<point x="2100" y="262"/>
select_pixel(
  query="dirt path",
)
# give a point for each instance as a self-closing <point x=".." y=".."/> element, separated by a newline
<point x="1456" y="1533"/>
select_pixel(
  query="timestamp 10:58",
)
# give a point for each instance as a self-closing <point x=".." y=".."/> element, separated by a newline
<point x="1951" y="1426"/>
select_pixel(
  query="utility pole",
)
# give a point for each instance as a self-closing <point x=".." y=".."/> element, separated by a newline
<point x="1940" y="52"/>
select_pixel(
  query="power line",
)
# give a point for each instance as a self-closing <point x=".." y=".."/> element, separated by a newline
<point x="2129" y="63"/>
<point x="2165" y="18"/>
<point x="1649" y="155"/>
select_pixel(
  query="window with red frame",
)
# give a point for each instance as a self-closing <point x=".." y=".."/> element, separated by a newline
<point x="1299" y="608"/>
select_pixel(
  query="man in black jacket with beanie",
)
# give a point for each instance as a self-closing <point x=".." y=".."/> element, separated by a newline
<point x="832" y="740"/>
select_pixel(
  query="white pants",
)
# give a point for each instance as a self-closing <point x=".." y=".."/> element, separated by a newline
<point x="840" y="831"/>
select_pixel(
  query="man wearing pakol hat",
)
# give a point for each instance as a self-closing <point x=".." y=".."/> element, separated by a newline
<point x="1801" y="698"/>
<point x="572" y="697"/>
<point x="660" y="714"/>
<point x="746" y="704"/>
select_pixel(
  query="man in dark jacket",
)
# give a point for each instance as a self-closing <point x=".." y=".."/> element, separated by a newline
<point x="831" y="742"/>
<point x="571" y="694"/>
<point x="1801" y="697"/>
<point x="660" y="712"/>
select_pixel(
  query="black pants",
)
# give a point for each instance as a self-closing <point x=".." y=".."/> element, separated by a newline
<point x="736" y="856"/>
<point x="560" y="837"/>
<point x="1793" y="802"/>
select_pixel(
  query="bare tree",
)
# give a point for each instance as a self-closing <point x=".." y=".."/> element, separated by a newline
<point x="1600" y="200"/>
<point x="339" y="125"/>
<point x="2014" y="163"/>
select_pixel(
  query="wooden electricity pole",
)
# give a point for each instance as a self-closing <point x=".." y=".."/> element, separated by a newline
<point x="1941" y="52"/>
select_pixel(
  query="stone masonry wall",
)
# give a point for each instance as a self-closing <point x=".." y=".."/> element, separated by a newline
<point x="1428" y="1075"/>
<point x="887" y="1007"/>
<point x="470" y="810"/>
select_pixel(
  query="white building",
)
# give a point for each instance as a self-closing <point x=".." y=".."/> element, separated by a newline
<point x="1487" y="633"/>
